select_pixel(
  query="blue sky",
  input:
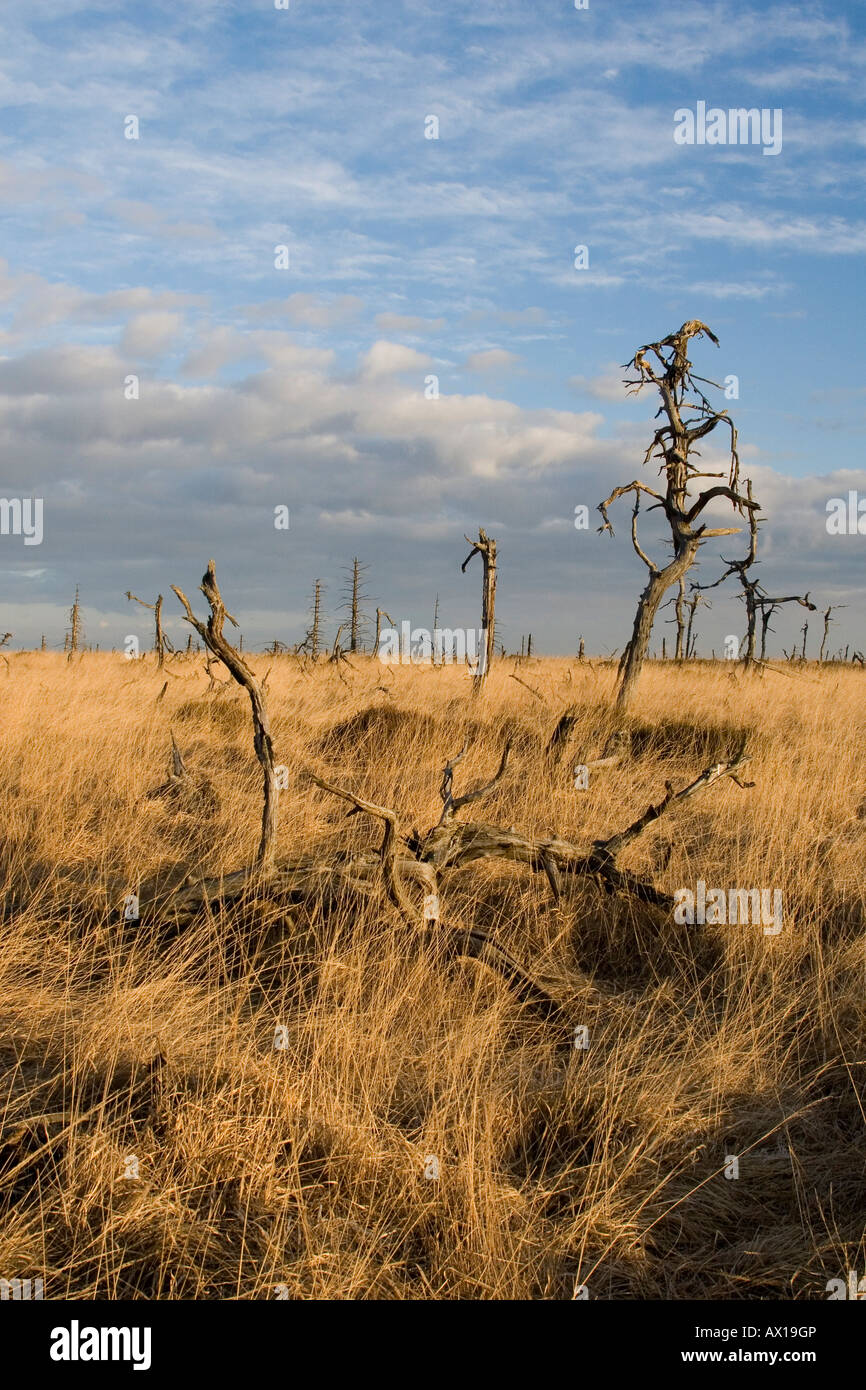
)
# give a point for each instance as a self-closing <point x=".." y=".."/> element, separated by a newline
<point x="409" y="257"/>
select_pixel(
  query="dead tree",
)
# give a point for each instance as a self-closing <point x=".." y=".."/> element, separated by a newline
<point x="486" y="548"/>
<point x="380" y="614"/>
<point x="827" y="622"/>
<point x="691" y="642"/>
<point x="678" y="618"/>
<point x="751" y="587"/>
<point x="678" y="609"/>
<point x="673" y="442"/>
<point x="768" y="607"/>
<point x="75" y="626"/>
<point x="160" y="640"/>
<point x="211" y="634"/>
<point x="355" y="596"/>
<point x="425" y="861"/>
<point x="311" y="640"/>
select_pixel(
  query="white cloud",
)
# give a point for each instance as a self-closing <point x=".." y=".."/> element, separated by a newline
<point x="387" y="359"/>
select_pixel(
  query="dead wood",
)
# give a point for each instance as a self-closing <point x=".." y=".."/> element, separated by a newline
<point x="188" y="791"/>
<point x="530" y="688"/>
<point x="212" y="635"/>
<point x="665" y="366"/>
<point x="423" y="859"/>
<point x="486" y="548"/>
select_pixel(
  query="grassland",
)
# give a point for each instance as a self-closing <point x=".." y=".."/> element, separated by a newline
<point x="300" y="1171"/>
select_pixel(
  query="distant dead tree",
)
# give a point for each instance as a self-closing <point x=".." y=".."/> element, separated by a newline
<point x="678" y="618"/>
<point x="211" y="634"/>
<point x="354" y="597"/>
<point x="380" y="614"/>
<point x="768" y="607"/>
<point x="160" y="640"/>
<point x="74" y="634"/>
<point x="486" y="548"/>
<point x="311" y="642"/>
<point x="673" y="442"/>
<point x="691" y="642"/>
<point x="827" y="621"/>
<point x="751" y="587"/>
<point x="681" y="593"/>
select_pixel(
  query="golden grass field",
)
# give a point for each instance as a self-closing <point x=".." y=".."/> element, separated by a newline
<point x="304" y="1167"/>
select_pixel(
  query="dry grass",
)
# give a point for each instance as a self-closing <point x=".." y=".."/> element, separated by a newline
<point x="304" y="1167"/>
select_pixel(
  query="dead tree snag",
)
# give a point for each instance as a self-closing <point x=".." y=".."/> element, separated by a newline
<point x="486" y="548"/>
<point x="451" y="844"/>
<point x="160" y="640"/>
<point x="673" y="442"/>
<point x="211" y="634"/>
<point x="380" y="614"/>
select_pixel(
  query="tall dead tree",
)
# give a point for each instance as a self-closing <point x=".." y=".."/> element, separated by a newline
<point x="160" y="640"/>
<point x="211" y="634"/>
<point x="686" y="422"/>
<point x="355" y="596"/>
<point x="486" y="548"/>
<point x="75" y="625"/>
<point x="311" y="642"/>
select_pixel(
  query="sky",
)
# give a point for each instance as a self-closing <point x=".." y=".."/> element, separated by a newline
<point x="424" y="356"/>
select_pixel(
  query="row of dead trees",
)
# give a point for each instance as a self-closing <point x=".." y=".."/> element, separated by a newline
<point x="687" y="418"/>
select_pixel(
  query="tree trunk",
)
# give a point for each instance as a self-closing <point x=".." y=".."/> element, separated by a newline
<point x="160" y="641"/>
<point x="751" y="614"/>
<point x="486" y="548"/>
<point x="648" y="606"/>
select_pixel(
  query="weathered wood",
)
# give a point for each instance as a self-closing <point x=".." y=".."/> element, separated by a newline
<point x="671" y="374"/>
<point x="449" y="845"/>
<point x="211" y="634"/>
<point x="486" y="548"/>
<point x="160" y="640"/>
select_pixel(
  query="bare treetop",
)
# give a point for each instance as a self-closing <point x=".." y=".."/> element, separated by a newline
<point x="688" y="416"/>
